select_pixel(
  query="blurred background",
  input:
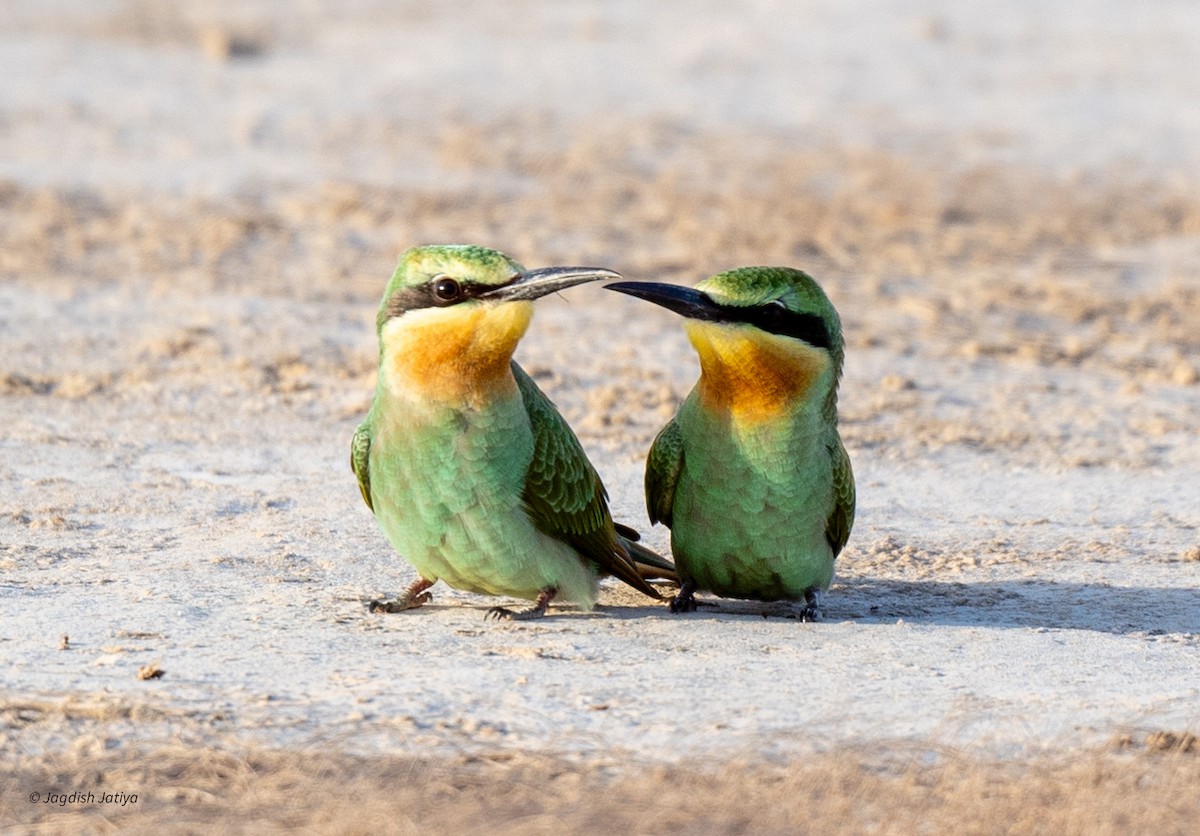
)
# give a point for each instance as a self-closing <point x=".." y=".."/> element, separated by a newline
<point x="204" y="98"/>
<point x="200" y="204"/>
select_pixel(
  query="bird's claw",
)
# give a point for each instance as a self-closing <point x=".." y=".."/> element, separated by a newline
<point x="685" y="601"/>
<point x="811" y="611"/>
<point x="404" y="602"/>
<point x="505" y="614"/>
<point x="536" y="611"/>
<point x="681" y="604"/>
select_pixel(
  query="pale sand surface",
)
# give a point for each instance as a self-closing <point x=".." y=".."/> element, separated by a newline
<point x="198" y="211"/>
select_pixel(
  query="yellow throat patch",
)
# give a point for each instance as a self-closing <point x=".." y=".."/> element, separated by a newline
<point x="754" y="375"/>
<point x="461" y="353"/>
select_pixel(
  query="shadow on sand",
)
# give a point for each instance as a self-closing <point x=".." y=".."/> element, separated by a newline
<point x="1052" y="605"/>
<point x="1044" y="604"/>
<point x="1027" y="603"/>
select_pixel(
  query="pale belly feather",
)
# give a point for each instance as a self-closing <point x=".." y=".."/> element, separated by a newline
<point x="447" y="489"/>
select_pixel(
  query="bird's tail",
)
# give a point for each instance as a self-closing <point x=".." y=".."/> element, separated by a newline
<point x="649" y="563"/>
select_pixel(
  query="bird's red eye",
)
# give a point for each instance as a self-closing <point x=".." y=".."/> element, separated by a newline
<point x="446" y="290"/>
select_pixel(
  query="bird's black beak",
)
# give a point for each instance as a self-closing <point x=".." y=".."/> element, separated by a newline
<point x="533" y="284"/>
<point x="686" y="301"/>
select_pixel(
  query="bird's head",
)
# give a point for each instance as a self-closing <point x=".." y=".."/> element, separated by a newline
<point x="768" y="337"/>
<point x="452" y="316"/>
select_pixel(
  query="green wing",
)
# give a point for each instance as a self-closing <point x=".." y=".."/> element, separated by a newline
<point x="563" y="493"/>
<point x="360" y="451"/>
<point x="663" y="465"/>
<point x="841" y="519"/>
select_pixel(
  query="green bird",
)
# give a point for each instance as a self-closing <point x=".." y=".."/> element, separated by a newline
<point x="751" y="475"/>
<point x="471" y="472"/>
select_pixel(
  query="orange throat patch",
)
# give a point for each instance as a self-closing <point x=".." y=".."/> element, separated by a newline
<point x="459" y="354"/>
<point x="753" y="375"/>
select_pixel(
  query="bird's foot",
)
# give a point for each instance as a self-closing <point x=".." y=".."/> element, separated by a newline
<point x="685" y="601"/>
<point x="811" y="611"/>
<point x="412" y="598"/>
<point x="536" y="611"/>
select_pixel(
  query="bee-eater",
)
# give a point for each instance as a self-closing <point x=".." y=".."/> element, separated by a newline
<point x="472" y="473"/>
<point x="751" y="475"/>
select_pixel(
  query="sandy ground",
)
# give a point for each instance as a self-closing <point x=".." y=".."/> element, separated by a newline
<point x="198" y="211"/>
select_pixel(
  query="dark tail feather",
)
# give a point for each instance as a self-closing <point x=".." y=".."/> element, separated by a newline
<point x="649" y="563"/>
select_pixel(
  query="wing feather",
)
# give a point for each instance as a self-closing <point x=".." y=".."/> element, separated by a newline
<point x="563" y="492"/>
<point x="360" y="453"/>
<point x="841" y="519"/>
<point x="664" y="463"/>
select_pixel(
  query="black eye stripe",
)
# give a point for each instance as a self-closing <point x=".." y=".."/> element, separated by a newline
<point x="408" y="298"/>
<point x="774" y="318"/>
<point x="466" y="290"/>
<point x="426" y="295"/>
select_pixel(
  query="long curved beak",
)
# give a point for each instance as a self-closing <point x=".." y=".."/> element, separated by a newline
<point x="533" y="284"/>
<point x="686" y="301"/>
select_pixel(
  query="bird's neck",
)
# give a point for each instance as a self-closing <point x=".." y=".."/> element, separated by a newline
<point x="754" y="376"/>
<point x="451" y="356"/>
